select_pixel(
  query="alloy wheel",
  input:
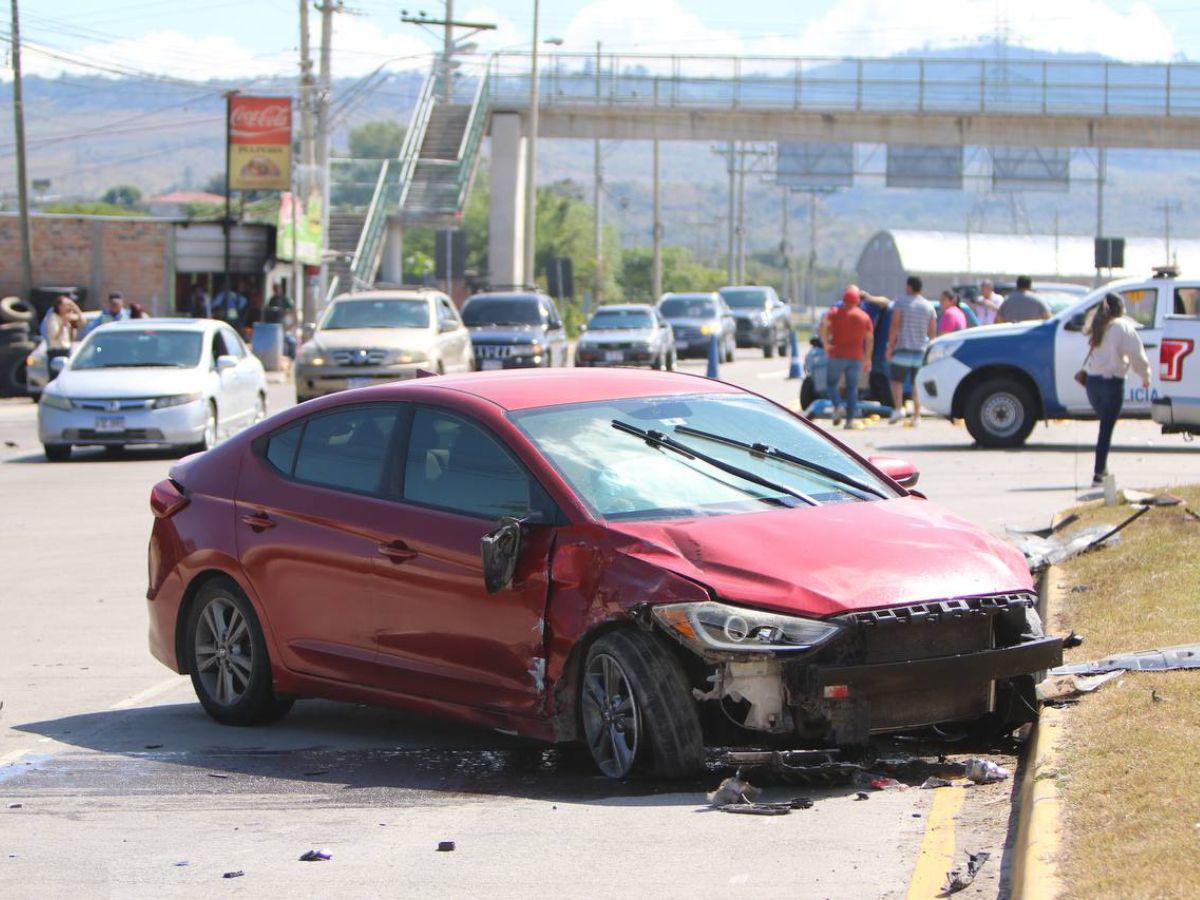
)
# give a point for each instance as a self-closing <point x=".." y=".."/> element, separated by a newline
<point x="224" y="651"/>
<point x="611" y="718"/>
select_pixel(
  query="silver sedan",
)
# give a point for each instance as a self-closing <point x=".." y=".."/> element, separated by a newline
<point x="629" y="334"/>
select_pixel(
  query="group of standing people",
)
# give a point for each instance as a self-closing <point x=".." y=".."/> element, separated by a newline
<point x="231" y="305"/>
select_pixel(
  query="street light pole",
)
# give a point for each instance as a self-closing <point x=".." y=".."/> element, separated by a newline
<point x="528" y="275"/>
<point x="22" y="178"/>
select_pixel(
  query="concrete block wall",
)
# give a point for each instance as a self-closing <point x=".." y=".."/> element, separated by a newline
<point x="133" y="256"/>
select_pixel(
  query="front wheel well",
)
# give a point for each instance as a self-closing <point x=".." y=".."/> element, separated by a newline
<point x="185" y="609"/>
<point x="977" y="376"/>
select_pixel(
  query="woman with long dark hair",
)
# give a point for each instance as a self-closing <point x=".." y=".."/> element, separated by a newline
<point x="1113" y="348"/>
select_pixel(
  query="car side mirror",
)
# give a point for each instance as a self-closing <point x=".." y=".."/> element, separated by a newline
<point x="500" y="550"/>
<point x="226" y="362"/>
<point x="900" y="471"/>
<point x="58" y="363"/>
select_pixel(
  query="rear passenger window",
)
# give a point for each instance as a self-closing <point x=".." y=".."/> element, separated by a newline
<point x="347" y="449"/>
<point x="1187" y="301"/>
<point x="281" y="448"/>
<point x="455" y="465"/>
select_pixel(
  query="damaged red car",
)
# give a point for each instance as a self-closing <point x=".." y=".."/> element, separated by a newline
<point x="643" y="562"/>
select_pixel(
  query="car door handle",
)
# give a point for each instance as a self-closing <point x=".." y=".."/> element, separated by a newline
<point x="258" y="521"/>
<point x="397" y="551"/>
<point x="1149" y="346"/>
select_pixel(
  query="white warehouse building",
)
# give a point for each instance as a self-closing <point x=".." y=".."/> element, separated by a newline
<point x="943" y="259"/>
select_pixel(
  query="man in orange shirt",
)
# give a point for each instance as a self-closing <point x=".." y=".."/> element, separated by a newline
<point x="847" y="335"/>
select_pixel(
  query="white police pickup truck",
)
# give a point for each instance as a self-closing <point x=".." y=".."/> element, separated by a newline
<point x="1002" y="379"/>
<point x="1177" y="408"/>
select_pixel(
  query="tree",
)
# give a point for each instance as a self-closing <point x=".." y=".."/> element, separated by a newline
<point x="123" y="195"/>
<point x="681" y="272"/>
<point x="381" y="139"/>
<point x="215" y="184"/>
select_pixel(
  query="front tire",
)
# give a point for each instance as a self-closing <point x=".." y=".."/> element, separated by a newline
<point x="1000" y="413"/>
<point x="57" y="452"/>
<point x="209" y="438"/>
<point x="636" y="710"/>
<point x="808" y="393"/>
<point x="227" y="658"/>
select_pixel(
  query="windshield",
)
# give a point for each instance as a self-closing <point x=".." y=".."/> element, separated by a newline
<point x="143" y="348"/>
<point x="502" y="311"/>
<point x="376" y="314"/>
<point x="620" y="476"/>
<point x="621" y="318"/>
<point x="745" y="298"/>
<point x="688" y="308"/>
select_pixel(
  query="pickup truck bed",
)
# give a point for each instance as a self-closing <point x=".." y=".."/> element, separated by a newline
<point x="1177" y="407"/>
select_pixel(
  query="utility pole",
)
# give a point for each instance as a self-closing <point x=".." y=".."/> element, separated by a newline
<point x="324" y="92"/>
<point x="448" y="54"/>
<point x="741" y="216"/>
<point x="810" y="282"/>
<point x="597" y="205"/>
<point x="730" y="255"/>
<point x="450" y="46"/>
<point x="22" y="178"/>
<point x="785" y="249"/>
<point x="656" y="268"/>
<point x="304" y="299"/>
<point x="1167" y="208"/>
<point x="1101" y="165"/>
<point x="531" y="156"/>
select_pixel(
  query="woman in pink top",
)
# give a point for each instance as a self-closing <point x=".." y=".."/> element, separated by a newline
<point x="951" y="318"/>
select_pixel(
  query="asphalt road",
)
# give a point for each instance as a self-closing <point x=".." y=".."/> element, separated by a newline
<point x="112" y="780"/>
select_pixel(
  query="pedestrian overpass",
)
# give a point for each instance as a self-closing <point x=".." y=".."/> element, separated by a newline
<point x="908" y="100"/>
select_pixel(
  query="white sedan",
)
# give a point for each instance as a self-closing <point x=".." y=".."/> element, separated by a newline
<point x="179" y="382"/>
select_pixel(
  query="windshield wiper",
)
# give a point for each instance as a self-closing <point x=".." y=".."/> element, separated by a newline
<point x="768" y="452"/>
<point x="657" y="438"/>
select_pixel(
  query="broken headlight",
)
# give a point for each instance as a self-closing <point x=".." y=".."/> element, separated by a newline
<point x="733" y="629"/>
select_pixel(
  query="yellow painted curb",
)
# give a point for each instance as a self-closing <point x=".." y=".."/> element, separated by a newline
<point x="1039" y="825"/>
<point x="936" y="856"/>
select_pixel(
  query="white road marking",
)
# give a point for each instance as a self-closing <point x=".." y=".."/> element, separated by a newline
<point x="149" y="693"/>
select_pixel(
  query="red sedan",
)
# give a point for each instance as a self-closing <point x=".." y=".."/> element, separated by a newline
<point x="640" y="561"/>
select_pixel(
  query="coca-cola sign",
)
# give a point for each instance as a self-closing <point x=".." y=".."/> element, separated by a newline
<point x="260" y="120"/>
<point x="260" y="143"/>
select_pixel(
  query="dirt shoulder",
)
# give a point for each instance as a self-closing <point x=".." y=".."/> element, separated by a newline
<point x="1131" y="751"/>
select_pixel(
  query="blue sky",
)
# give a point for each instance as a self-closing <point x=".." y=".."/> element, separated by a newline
<point x="236" y="38"/>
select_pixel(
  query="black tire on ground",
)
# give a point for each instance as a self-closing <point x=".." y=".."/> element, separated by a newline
<point x="257" y="703"/>
<point x="808" y="393"/>
<point x="14" y="309"/>
<point x="672" y="359"/>
<point x="769" y="351"/>
<point x="671" y="742"/>
<point x="12" y="368"/>
<point x="1000" y="412"/>
<point x="57" y="452"/>
<point x="730" y="350"/>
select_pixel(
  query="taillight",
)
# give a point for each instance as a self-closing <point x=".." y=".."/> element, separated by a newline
<point x="1171" y="354"/>
<point x="167" y="498"/>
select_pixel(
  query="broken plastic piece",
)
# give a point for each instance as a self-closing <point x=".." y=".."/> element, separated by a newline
<point x="1072" y="640"/>
<point x="886" y="783"/>
<point x="238" y="874"/>
<point x="1186" y="656"/>
<point x="934" y="782"/>
<point x="733" y="790"/>
<point x="445" y="846"/>
<point x="957" y="879"/>
<point x="861" y="795"/>
<point x="315" y="856"/>
<point x="984" y="771"/>
<point x="1059" y="687"/>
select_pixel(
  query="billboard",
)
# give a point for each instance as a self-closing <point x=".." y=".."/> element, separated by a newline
<point x="924" y="166"/>
<point x="813" y="167"/>
<point x="299" y="228"/>
<point x="1031" y="168"/>
<point x="259" y="144"/>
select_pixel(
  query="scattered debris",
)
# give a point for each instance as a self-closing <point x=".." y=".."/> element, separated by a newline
<point x="181" y="863"/>
<point x="1080" y="589"/>
<point x="1059" y="687"/>
<point x="1072" y="640"/>
<point x="736" y="795"/>
<point x="984" y="771"/>
<point x="733" y="790"/>
<point x="10" y="443"/>
<point x="1044" y="532"/>
<point x="1043" y="552"/>
<point x="1186" y="656"/>
<point x="316" y="772"/>
<point x="934" y="782"/>
<point x="862" y="795"/>
<point x="1154" y="698"/>
<point x="315" y="856"/>
<point x="957" y="879"/>
<point x="152" y="747"/>
<point x="15" y="805"/>
<point x="1145" y="498"/>
<point x="237" y="874"/>
<point x="445" y="846"/>
<point x="886" y="783"/>
<point x="218" y="774"/>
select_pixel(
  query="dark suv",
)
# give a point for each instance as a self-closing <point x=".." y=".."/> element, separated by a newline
<point x="761" y="317"/>
<point x="515" y="330"/>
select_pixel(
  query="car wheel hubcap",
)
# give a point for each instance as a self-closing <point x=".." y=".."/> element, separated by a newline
<point x="224" y="652"/>
<point x="611" y="718"/>
<point x="1002" y="414"/>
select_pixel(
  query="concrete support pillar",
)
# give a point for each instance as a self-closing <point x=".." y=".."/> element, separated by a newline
<point x="506" y="219"/>
<point x="391" y="263"/>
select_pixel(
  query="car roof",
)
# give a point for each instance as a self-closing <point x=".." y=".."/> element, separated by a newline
<point x="387" y="295"/>
<point x="622" y="306"/>
<point x="509" y="295"/>
<point x="519" y="389"/>
<point x="689" y="295"/>
<point x="180" y="324"/>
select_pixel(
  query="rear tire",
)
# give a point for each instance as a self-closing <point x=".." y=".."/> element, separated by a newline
<point x="227" y="658"/>
<point x="1000" y="413"/>
<point x="808" y="393"/>
<point x="643" y="717"/>
<point x="769" y="351"/>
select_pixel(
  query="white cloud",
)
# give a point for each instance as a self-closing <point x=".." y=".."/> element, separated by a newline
<point x="657" y="26"/>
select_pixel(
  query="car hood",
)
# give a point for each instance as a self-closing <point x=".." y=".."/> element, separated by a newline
<point x="833" y="559"/>
<point x="695" y="323"/>
<point x="616" y="335"/>
<point x="358" y="338"/>
<point x="746" y="313"/>
<point x="114" y="383"/>
<point x="506" y="334"/>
